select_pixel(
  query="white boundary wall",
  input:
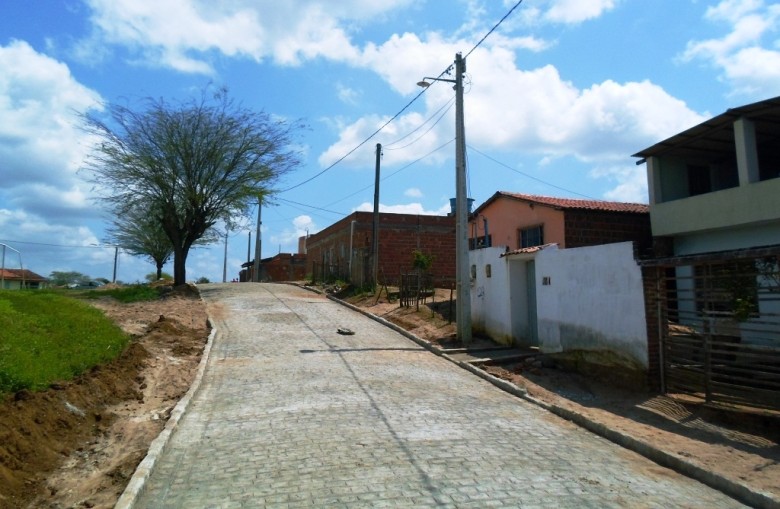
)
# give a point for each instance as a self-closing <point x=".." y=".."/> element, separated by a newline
<point x="594" y="301"/>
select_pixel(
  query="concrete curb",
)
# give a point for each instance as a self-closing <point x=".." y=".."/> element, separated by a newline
<point x="736" y="490"/>
<point x="137" y="483"/>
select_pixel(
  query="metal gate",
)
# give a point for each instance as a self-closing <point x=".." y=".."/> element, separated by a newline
<point x="719" y="326"/>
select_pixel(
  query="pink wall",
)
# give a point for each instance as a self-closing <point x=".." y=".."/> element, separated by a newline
<point x="505" y="216"/>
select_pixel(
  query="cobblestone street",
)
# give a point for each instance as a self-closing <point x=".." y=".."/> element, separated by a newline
<point x="290" y="413"/>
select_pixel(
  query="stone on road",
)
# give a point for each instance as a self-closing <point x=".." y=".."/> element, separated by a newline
<point x="291" y="413"/>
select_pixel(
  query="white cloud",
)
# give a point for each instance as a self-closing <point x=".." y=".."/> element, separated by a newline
<point x="288" y="237"/>
<point x="630" y="182"/>
<point x="40" y="141"/>
<point x="408" y="208"/>
<point x="413" y="192"/>
<point x="577" y="11"/>
<point x="346" y="94"/>
<point x="534" y="111"/>
<point x="182" y="34"/>
<point x="749" y="55"/>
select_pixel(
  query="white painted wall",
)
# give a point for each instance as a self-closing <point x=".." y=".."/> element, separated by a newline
<point x="490" y="298"/>
<point x="594" y="301"/>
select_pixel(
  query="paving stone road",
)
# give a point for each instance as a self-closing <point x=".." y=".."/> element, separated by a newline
<point x="292" y="414"/>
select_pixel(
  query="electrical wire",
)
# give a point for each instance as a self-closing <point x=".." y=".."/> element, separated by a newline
<point x="414" y="99"/>
<point x="399" y="170"/>
<point x="426" y="132"/>
<point x="531" y="176"/>
<point x="57" y="245"/>
<point x="494" y="28"/>
<point x="389" y="146"/>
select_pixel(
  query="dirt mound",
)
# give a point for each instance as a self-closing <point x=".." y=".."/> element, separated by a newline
<point x="78" y="443"/>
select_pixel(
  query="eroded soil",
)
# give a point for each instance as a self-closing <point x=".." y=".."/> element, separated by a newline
<point x="78" y="443"/>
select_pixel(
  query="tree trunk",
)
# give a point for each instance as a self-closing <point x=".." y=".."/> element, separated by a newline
<point x="159" y="270"/>
<point x="179" y="265"/>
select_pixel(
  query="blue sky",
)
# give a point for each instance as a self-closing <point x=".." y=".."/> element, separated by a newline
<point x="557" y="99"/>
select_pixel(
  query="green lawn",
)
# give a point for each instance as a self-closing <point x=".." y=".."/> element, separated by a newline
<point x="47" y="336"/>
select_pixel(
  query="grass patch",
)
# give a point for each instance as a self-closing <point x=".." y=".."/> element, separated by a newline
<point x="45" y="337"/>
<point x="126" y="294"/>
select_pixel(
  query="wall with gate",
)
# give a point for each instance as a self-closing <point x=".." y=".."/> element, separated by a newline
<point x="718" y="325"/>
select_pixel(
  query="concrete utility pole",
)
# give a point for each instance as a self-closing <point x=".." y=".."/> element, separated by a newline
<point x="256" y="274"/>
<point x="462" y="276"/>
<point x="375" y="240"/>
<point x="463" y="282"/>
<point x="224" y="259"/>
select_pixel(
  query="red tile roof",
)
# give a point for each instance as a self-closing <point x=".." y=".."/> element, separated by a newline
<point x="527" y="250"/>
<point x="574" y="204"/>
<point x="19" y="274"/>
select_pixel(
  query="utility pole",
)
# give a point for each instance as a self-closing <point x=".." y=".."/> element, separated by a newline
<point x="116" y="257"/>
<point x="463" y="277"/>
<point x="224" y="259"/>
<point x="375" y="229"/>
<point x="256" y="274"/>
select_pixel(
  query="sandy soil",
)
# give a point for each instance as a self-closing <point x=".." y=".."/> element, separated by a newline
<point x="77" y="444"/>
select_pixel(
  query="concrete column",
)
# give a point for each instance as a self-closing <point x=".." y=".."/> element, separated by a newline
<point x="654" y="180"/>
<point x="747" y="152"/>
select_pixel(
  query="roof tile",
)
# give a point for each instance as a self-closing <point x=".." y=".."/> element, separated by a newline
<point x="577" y="204"/>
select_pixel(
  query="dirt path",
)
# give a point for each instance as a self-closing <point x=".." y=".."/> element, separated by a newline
<point x="77" y="444"/>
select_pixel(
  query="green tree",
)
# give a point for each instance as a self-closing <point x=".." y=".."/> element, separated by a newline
<point x="156" y="276"/>
<point x="61" y="278"/>
<point x="189" y="164"/>
<point x="140" y="233"/>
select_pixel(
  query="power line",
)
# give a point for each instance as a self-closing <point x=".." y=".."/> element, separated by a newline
<point x="394" y="173"/>
<point x="494" y="28"/>
<point x="419" y="94"/>
<point x="57" y="245"/>
<point x="530" y="176"/>
<point x="427" y="131"/>
<point x="399" y="140"/>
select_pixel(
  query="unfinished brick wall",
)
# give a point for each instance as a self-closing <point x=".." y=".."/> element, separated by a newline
<point x="594" y="227"/>
<point x="399" y="236"/>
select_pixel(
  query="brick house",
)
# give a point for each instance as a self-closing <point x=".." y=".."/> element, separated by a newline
<point x="517" y="221"/>
<point x="561" y="275"/>
<point x="281" y="267"/>
<point x="343" y="249"/>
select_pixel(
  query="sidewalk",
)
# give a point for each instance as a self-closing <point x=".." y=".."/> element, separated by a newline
<point x="290" y="413"/>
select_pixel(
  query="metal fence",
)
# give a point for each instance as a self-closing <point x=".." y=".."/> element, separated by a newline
<point x="720" y="336"/>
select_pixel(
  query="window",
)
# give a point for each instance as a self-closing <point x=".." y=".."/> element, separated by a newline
<point x="530" y="237"/>
<point x="479" y="242"/>
<point x="698" y="180"/>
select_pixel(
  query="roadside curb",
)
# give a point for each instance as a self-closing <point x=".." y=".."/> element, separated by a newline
<point x="734" y="489"/>
<point x="144" y="470"/>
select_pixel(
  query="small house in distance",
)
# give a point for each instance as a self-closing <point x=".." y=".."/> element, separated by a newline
<point x="15" y="279"/>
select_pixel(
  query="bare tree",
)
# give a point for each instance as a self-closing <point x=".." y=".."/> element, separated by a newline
<point x="189" y="164"/>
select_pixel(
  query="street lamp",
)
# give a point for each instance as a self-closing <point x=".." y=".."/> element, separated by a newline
<point x="462" y="276"/>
